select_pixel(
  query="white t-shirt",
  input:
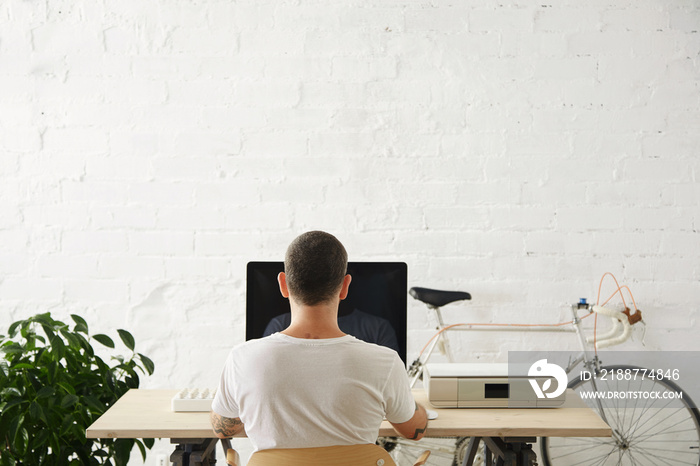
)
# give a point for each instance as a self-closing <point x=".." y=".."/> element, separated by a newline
<point x="294" y="393"/>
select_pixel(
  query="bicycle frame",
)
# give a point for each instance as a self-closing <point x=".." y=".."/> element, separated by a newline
<point x="590" y="363"/>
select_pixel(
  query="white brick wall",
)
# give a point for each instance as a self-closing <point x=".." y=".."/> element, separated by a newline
<point x="517" y="150"/>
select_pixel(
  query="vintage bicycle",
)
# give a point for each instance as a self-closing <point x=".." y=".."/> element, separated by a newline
<point x="660" y="431"/>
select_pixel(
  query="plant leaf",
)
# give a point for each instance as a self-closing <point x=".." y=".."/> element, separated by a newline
<point x="86" y="345"/>
<point x="104" y="339"/>
<point x="73" y="341"/>
<point x="66" y="387"/>
<point x="12" y="331"/>
<point x="22" y="365"/>
<point x="52" y="371"/>
<point x="127" y="338"/>
<point x="148" y="364"/>
<point x="35" y="410"/>
<point x="10" y="391"/>
<point x="12" y="348"/>
<point x="58" y="347"/>
<point x="44" y="319"/>
<point x="22" y="440"/>
<point x="94" y="404"/>
<point x="41" y="438"/>
<point x="45" y="392"/>
<point x="69" y="400"/>
<point x="122" y="449"/>
<point x="15" y="426"/>
<point x="142" y="448"/>
<point x="80" y="324"/>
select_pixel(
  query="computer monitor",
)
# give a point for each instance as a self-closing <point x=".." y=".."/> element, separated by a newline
<point x="374" y="310"/>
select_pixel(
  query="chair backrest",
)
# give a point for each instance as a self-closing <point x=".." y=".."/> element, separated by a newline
<point x="343" y="455"/>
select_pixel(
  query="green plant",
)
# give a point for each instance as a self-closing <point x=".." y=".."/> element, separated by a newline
<point x="53" y="386"/>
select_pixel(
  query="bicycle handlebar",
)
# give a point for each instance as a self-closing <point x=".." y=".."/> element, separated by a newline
<point x="620" y="331"/>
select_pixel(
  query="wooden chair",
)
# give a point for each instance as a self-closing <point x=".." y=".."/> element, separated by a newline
<point x="343" y="455"/>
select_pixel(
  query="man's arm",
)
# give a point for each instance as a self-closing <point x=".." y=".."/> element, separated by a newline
<point x="414" y="428"/>
<point x="225" y="427"/>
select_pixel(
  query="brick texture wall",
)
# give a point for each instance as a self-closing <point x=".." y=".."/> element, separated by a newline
<point x="517" y="150"/>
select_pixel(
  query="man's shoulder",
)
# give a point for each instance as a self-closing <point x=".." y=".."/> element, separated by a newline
<point x="373" y="348"/>
<point x="255" y="344"/>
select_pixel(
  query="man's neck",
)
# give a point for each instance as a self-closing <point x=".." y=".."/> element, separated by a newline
<point x="314" y="322"/>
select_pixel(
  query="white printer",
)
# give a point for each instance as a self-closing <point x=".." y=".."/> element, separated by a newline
<point x="490" y="385"/>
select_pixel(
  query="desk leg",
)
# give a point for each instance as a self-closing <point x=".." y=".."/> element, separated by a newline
<point x="194" y="452"/>
<point x="504" y="455"/>
<point x="511" y="451"/>
<point x="527" y="455"/>
<point x="471" y="451"/>
<point x="523" y="450"/>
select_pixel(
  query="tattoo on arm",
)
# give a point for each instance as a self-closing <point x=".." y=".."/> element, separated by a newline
<point x="225" y="426"/>
<point x="418" y="432"/>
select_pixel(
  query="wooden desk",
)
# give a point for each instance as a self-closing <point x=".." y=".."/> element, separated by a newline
<point x="147" y="414"/>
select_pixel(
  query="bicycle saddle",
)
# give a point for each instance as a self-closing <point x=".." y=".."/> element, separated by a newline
<point x="438" y="298"/>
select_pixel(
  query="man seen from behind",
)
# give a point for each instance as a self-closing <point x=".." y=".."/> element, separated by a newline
<point x="311" y="385"/>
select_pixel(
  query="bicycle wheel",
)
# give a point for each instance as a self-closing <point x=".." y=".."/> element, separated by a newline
<point x="444" y="451"/>
<point x="646" y="431"/>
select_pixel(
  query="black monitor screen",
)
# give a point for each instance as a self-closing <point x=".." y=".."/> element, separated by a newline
<point x="374" y="310"/>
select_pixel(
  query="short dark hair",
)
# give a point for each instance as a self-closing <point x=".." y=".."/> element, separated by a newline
<point x="315" y="265"/>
